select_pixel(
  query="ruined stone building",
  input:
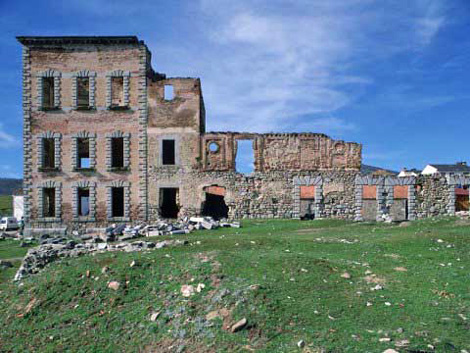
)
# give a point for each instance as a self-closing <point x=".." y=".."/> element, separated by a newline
<point x="107" y="140"/>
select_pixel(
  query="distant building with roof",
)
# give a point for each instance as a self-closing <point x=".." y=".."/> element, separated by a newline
<point x="445" y="169"/>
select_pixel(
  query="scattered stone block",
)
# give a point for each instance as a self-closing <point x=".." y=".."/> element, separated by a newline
<point x="114" y="285"/>
<point x="238" y="326"/>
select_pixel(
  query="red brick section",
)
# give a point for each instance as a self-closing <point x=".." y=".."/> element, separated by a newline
<point x="307" y="192"/>
<point x="369" y="192"/>
<point x="461" y="191"/>
<point x="400" y="192"/>
<point x="215" y="190"/>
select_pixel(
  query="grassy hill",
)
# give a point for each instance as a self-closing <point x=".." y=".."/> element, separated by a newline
<point x="339" y="286"/>
<point x="369" y="169"/>
<point x="9" y="186"/>
<point x="6" y="205"/>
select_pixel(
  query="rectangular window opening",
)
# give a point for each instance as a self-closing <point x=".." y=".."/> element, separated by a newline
<point x="169" y="93"/>
<point x="117" y="91"/>
<point x="83" y="151"/>
<point x="117" y="197"/>
<point x="117" y="152"/>
<point x="83" y="202"/>
<point x="48" y="146"/>
<point x="48" y="92"/>
<point x="49" y="202"/>
<point x="169" y="207"/>
<point x="83" y="92"/>
<point x="168" y="152"/>
<point x="245" y="158"/>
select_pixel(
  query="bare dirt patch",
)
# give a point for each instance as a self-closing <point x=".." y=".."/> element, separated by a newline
<point x="373" y="278"/>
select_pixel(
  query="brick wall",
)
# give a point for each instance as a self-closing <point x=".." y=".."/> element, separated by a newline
<point x="67" y="122"/>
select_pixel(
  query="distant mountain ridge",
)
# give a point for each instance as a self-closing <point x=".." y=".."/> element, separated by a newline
<point x="369" y="169"/>
<point x="10" y="186"/>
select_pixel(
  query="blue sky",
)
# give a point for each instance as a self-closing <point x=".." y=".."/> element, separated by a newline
<point x="392" y="75"/>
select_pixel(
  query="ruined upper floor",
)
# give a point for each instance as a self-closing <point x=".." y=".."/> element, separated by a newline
<point x="100" y="84"/>
<point x="70" y="74"/>
<point x="280" y="152"/>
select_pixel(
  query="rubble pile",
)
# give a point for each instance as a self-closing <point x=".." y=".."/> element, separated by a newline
<point x="124" y="232"/>
<point x="37" y="258"/>
<point x="52" y="248"/>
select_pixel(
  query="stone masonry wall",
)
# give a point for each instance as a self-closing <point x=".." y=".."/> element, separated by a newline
<point x="432" y="196"/>
<point x="260" y="195"/>
<point x="282" y="152"/>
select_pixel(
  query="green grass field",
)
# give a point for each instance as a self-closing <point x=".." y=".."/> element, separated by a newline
<point x="283" y="276"/>
<point x="10" y="250"/>
<point x="6" y="205"/>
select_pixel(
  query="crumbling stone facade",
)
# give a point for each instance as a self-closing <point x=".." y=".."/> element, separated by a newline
<point x="109" y="140"/>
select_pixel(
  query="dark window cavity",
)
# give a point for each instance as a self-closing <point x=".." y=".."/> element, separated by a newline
<point x="48" y="148"/>
<point x="83" y="92"/>
<point x="117" y="152"/>
<point x="117" y="199"/>
<point x="169" y="202"/>
<point x="49" y="202"/>
<point x="168" y="152"/>
<point x="47" y="92"/>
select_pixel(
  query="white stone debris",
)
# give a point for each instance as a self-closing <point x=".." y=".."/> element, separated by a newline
<point x="114" y="285"/>
<point x="239" y="325"/>
<point x="187" y="290"/>
<point x="38" y="257"/>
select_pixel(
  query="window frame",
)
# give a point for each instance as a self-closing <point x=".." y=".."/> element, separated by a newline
<point x="92" y="151"/>
<point x="127" y="200"/>
<point x="57" y="150"/>
<point x="40" y="76"/>
<point x="126" y="153"/>
<point x="91" y="75"/>
<point x="176" y="140"/>
<point x="125" y="89"/>
<point x="91" y="186"/>
<point x="58" y="201"/>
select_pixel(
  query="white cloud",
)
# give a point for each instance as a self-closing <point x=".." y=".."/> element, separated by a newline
<point x="275" y="61"/>
<point x="7" y="140"/>
<point x="429" y="21"/>
<point x="265" y="63"/>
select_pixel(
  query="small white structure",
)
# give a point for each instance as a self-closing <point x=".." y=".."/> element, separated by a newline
<point x="18" y="206"/>
<point x="429" y="170"/>
<point x="404" y="173"/>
